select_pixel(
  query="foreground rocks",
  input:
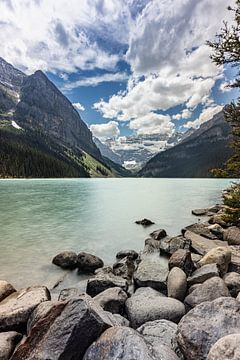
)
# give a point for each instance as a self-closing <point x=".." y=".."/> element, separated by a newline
<point x="103" y="281"/>
<point x="204" y="273"/>
<point x="227" y="348"/>
<point x="88" y="262"/>
<point x="66" y="260"/>
<point x="232" y="235"/>
<point x="6" y="289"/>
<point x="177" y="284"/>
<point x="204" y="325"/>
<point x="112" y="300"/>
<point x="8" y="342"/>
<point x="182" y="259"/>
<point x="220" y="256"/>
<point x="147" y="304"/>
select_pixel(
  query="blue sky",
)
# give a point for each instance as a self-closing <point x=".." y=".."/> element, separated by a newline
<point x="137" y="67"/>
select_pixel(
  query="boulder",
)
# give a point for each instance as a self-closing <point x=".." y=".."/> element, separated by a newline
<point x="119" y="320"/>
<point x="151" y="246"/>
<point x="103" y="281"/>
<point x="235" y="260"/>
<point x="161" y="332"/>
<point x="193" y="287"/>
<point x="124" y="268"/>
<point x="40" y="312"/>
<point x="6" y="289"/>
<point x="152" y="271"/>
<point x="125" y="343"/>
<point x="210" y="290"/>
<point x="144" y="222"/>
<point x="177" y="284"/>
<point x="232" y="280"/>
<point x="131" y="254"/>
<point x="67" y="330"/>
<point x="88" y="262"/>
<point x="66" y="260"/>
<point x="203" y="274"/>
<point x="183" y="260"/>
<point x="232" y="235"/>
<point x="226" y="348"/>
<point x="158" y="234"/>
<point x="67" y="294"/>
<point x="196" y="258"/>
<point x="169" y="245"/>
<point x="8" y="342"/>
<point x="200" y="229"/>
<point x="112" y="299"/>
<point x="220" y="256"/>
<point x="205" y="324"/>
<point x="147" y="304"/>
<point x="17" y="307"/>
<point x="200" y="212"/>
<point x="217" y="230"/>
<point x="217" y="219"/>
<point x="238" y="297"/>
<point x="202" y="245"/>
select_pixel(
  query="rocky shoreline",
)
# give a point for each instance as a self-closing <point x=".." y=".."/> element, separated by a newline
<point x="177" y="299"/>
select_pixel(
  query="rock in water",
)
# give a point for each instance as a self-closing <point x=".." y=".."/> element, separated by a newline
<point x="6" y="289"/>
<point x="67" y="330"/>
<point x="144" y="222"/>
<point x="8" y="342"/>
<point x="199" y="212"/>
<point x="177" y="284"/>
<point x="147" y="304"/>
<point x="227" y="348"/>
<point x="131" y="254"/>
<point x="232" y="280"/>
<point x="210" y="290"/>
<point x="204" y="325"/>
<point x="220" y="256"/>
<point x="125" y="343"/>
<point x="112" y="299"/>
<point x="16" y="308"/>
<point x="232" y="235"/>
<point x="158" y="234"/>
<point x="203" y="274"/>
<point x="88" y="263"/>
<point x="66" y="260"/>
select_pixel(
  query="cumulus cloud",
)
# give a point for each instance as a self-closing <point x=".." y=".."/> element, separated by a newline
<point x="96" y="80"/>
<point x="152" y="124"/>
<point x="105" y="131"/>
<point x="79" y="106"/>
<point x="185" y="114"/>
<point x="206" y="115"/>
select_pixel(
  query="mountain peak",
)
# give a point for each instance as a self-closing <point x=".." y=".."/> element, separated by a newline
<point x="10" y="76"/>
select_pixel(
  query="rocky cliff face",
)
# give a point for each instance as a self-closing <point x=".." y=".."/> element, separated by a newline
<point x="204" y="149"/>
<point x="10" y="77"/>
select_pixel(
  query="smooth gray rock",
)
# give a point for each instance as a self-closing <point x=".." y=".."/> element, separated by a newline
<point x="232" y="235"/>
<point x="199" y="212"/>
<point x="131" y="254"/>
<point x="147" y="304"/>
<point x="6" y="289"/>
<point x="8" y="342"/>
<point x="182" y="259"/>
<point x="158" y="234"/>
<point x="103" y="281"/>
<point x="205" y="324"/>
<point x="210" y="290"/>
<point x="232" y="280"/>
<point x="161" y="332"/>
<point x="112" y="299"/>
<point x="226" y="348"/>
<point x="202" y="245"/>
<point x="125" y="343"/>
<point x="124" y="268"/>
<point x="177" y="284"/>
<point x="169" y="245"/>
<point x="88" y="262"/>
<point x="17" y="307"/>
<point x="202" y="274"/>
<point x="66" y="260"/>
<point x="220" y="256"/>
<point x="66" y="332"/>
<point x="152" y="271"/>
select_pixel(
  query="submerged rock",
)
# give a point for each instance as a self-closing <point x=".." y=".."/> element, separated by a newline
<point x="88" y="262"/>
<point x="204" y="325"/>
<point x="227" y="348"/>
<point x="16" y="308"/>
<point x="67" y="330"/>
<point x="220" y="256"/>
<point x="182" y="259"/>
<point x="210" y="290"/>
<point x="8" y="342"/>
<point x="6" y="289"/>
<point x="144" y="222"/>
<point x="147" y="304"/>
<point x="177" y="284"/>
<point x="66" y="260"/>
<point x="112" y="299"/>
<point x="200" y="212"/>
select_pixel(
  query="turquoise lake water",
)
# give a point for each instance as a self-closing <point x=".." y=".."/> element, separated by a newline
<point x="39" y="218"/>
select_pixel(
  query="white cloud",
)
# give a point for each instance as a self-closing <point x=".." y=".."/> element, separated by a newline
<point x="206" y="115"/>
<point x="95" y="80"/>
<point x="105" y="131"/>
<point x="185" y="114"/>
<point x="225" y="87"/>
<point x="152" y="124"/>
<point x="79" y="106"/>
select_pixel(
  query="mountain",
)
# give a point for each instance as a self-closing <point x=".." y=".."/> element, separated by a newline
<point x="42" y="134"/>
<point x="196" y="154"/>
<point x="107" y="152"/>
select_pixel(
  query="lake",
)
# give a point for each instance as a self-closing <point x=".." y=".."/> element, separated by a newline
<point x="40" y="218"/>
